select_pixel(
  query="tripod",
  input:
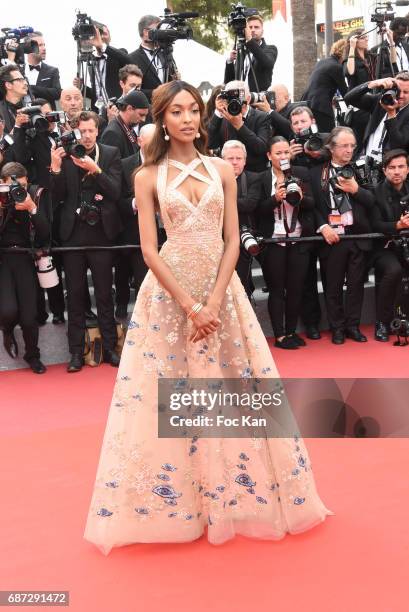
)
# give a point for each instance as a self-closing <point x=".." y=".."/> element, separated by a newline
<point x="88" y="71"/>
<point x="242" y="53"/>
<point x="169" y="65"/>
<point x="383" y="56"/>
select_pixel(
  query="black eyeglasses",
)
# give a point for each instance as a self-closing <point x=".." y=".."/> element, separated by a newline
<point x="17" y="79"/>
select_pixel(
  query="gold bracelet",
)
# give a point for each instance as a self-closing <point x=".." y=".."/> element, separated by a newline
<point x="196" y="308"/>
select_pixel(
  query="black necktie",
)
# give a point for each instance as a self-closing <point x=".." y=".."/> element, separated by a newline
<point x="34" y="67"/>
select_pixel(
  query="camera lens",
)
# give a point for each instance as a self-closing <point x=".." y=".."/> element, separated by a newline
<point x="234" y="107"/>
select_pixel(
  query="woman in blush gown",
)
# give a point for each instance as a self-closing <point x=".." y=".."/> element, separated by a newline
<point x="192" y="318"/>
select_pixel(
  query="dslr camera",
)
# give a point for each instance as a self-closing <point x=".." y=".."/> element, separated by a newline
<point x="5" y="142"/>
<point x="12" y="194"/>
<point x="291" y="184"/>
<point x="257" y="96"/>
<point x="341" y="198"/>
<point x="69" y="141"/>
<point x="89" y="213"/>
<point x="390" y="96"/>
<point x="251" y="243"/>
<point x="235" y="99"/>
<point x="309" y="139"/>
<point x="37" y="121"/>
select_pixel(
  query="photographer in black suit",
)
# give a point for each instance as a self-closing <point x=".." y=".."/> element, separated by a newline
<point x="260" y="58"/>
<point x="90" y="189"/>
<point x="250" y="126"/>
<point x="388" y="127"/>
<point x="22" y="224"/>
<point x="44" y="79"/>
<point x="285" y="211"/>
<point x="133" y="110"/>
<point x="149" y="59"/>
<point x="325" y="80"/>
<point x="13" y="90"/>
<point x="397" y="54"/>
<point x="342" y="207"/>
<point x="248" y="195"/>
<point x="390" y="215"/>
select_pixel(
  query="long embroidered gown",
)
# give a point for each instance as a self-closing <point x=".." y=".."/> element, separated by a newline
<point x="151" y="489"/>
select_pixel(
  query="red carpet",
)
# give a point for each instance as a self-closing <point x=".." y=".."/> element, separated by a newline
<point x="51" y="428"/>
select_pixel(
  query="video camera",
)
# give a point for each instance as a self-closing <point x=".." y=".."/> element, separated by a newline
<point x="24" y="46"/>
<point x="291" y="184"/>
<point x="69" y="141"/>
<point x="235" y="99"/>
<point x="83" y="30"/>
<point x="309" y="139"/>
<point x="383" y="12"/>
<point x="176" y="28"/>
<point x="12" y="194"/>
<point x="237" y="19"/>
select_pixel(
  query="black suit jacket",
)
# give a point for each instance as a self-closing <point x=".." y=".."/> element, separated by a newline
<point x="362" y="205"/>
<point x="6" y="116"/>
<point x="48" y="84"/>
<point x="115" y="136"/>
<point x="264" y="58"/>
<point x="150" y="79"/>
<point x="397" y="129"/>
<point x="66" y="187"/>
<point x="265" y="210"/>
<point x="326" y="78"/>
<point x="387" y="210"/>
<point x="130" y="232"/>
<point x="255" y="134"/>
<point x="248" y="196"/>
<point x="34" y="154"/>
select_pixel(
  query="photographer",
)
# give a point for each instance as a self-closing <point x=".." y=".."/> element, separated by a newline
<point x="285" y="210"/>
<point x="397" y="52"/>
<point x="249" y="126"/>
<point x="44" y="80"/>
<point x="13" y="90"/>
<point x="326" y="79"/>
<point x="390" y="215"/>
<point x="342" y="207"/>
<point x="89" y="188"/>
<point x="146" y="56"/>
<point x="133" y="110"/>
<point x="260" y="58"/>
<point x="248" y="195"/>
<point x="22" y="223"/>
<point x="388" y="126"/>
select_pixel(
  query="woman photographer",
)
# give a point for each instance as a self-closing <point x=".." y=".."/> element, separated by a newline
<point x="285" y="264"/>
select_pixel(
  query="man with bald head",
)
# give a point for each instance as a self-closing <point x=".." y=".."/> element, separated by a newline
<point x="71" y="102"/>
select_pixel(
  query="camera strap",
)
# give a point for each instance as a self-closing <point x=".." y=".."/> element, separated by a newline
<point x="130" y="134"/>
<point x="282" y="214"/>
<point x="243" y="184"/>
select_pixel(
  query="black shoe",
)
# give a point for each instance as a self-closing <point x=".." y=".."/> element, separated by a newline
<point x="76" y="363"/>
<point x="121" y="312"/>
<point x="381" y="332"/>
<point x="91" y="315"/>
<point x="338" y="336"/>
<point x="36" y="365"/>
<point x="42" y="320"/>
<point x="355" y="334"/>
<point x="58" y="319"/>
<point x="112" y="358"/>
<point x="286" y="343"/>
<point x="10" y="343"/>
<point x="312" y="332"/>
<point x="297" y="339"/>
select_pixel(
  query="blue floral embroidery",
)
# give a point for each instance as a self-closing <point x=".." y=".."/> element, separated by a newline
<point x="149" y="354"/>
<point x="200" y="489"/>
<point x="171" y="357"/>
<point x="250" y="490"/>
<point x="243" y="457"/>
<point x="168" y="467"/>
<point x="155" y="327"/>
<point x="133" y="324"/>
<point x="261" y="500"/>
<point x="301" y="461"/>
<point x="125" y="378"/>
<point x="163" y="476"/>
<point x="172" y="514"/>
<point x="130" y="342"/>
<point x="104" y="512"/>
<point x="195" y="439"/>
<point x="210" y="521"/>
<point x="220" y="488"/>
<point x="171" y="502"/>
<point x="299" y="500"/>
<point x="189" y="517"/>
<point x="266" y="370"/>
<point x="237" y="343"/>
<point x="245" y="481"/>
<point x="242" y="466"/>
<point x="193" y="449"/>
<point x="158" y="298"/>
<point x="113" y="484"/>
<point x="211" y="359"/>
<point x="233" y="502"/>
<point x="295" y="472"/>
<point x="142" y="510"/>
<point x="166" y="491"/>
<point x="246" y="373"/>
<point x="118" y="405"/>
<point x="137" y="396"/>
<point x="224" y="364"/>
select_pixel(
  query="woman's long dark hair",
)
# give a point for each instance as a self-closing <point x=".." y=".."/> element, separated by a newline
<point x="161" y="99"/>
<point x="369" y="59"/>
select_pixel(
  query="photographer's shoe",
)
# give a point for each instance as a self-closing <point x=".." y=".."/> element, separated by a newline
<point x="312" y="332"/>
<point x="297" y="339"/>
<point x="76" y="363"/>
<point x="381" y="332"/>
<point x="354" y="333"/>
<point x="112" y="358"/>
<point x="10" y="343"/>
<point x="286" y="343"/>
<point x="58" y="319"/>
<point x="36" y="365"/>
<point x="338" y="336"/>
